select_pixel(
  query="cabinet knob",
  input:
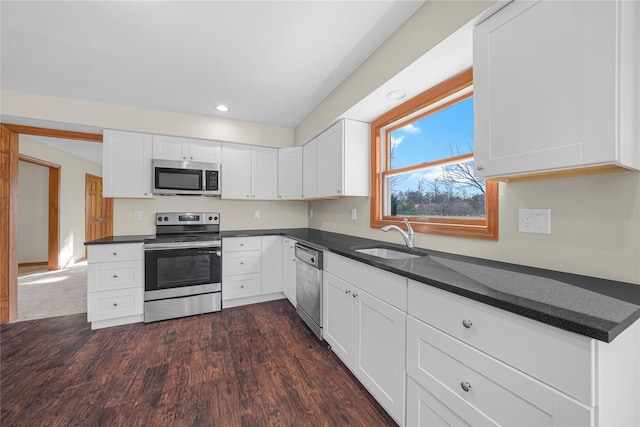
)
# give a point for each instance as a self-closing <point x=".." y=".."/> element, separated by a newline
<point x="254" y="196"/>
<point x="467" y="323"/>
<point x="115" y="304"/>
<point x="184" y="157"/>
<point x="191" y="157"/>
<point x="241" y="263"/>
<point x="338" y="191"/>
<point x="479" y="167"/>
<point x="241" y="286"/>
<point x="347" y="291"/>
<point x="466" y="386"/>
<point x="241" y="244"/>
<point x="247" y="196"/>
<point x="115" y="276"/>
<point x="115" y="253"/>
<point x="279" y="197"/>
<point x="355" y="295"/>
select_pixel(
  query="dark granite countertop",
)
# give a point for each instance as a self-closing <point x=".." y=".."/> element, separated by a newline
<point x="593" y="307"/>
<point x="596" y="308"/>
<point x="121" y="239"/>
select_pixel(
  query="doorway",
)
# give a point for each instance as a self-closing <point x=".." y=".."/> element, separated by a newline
<point x="9" y="158"/>
<point x="53" y="213"/>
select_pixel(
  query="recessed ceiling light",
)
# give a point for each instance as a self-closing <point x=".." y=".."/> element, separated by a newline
<point x="222" y="108"/>
<point x="395" y="95"/>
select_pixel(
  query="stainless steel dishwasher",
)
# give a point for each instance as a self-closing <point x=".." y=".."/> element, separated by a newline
<point x="309" y="287"/>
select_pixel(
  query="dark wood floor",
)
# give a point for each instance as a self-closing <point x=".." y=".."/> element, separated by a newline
<point x="255" y="365"/>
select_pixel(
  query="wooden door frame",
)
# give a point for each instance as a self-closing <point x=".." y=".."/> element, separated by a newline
<point x="53" y="235"/>
<point x="9" y="157"/>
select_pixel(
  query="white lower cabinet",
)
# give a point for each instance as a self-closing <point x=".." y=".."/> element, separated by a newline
<point x="271" y="264"/>
<point x="365" y="332"/>
<point x="115" y="284"/>
<point x="251" y="270"/>
<point x="289" y="269"/>
<point x="432" y="409"/>
<point x="338" y="313"/>
<point x="478" y="389"/>
<point x="379" y="350"/>
<point x="472" y="364"/>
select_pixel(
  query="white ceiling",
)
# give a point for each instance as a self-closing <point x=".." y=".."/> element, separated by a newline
<point x="271" y="62"/>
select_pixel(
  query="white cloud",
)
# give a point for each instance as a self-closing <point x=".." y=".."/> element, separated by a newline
<point x="410" y="128"/>
<point x="396" y="141"/>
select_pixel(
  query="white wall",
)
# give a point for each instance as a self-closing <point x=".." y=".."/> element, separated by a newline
<point x="33" y="213"/>
<point x="72" y="193"/>
<point x="106" y="116"/>
<point x="234" y="214"/>
<point x="595" y="226"/>
<point x="427" y="27"/>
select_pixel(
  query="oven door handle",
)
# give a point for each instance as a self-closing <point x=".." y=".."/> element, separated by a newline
<point x="180" y="245"/>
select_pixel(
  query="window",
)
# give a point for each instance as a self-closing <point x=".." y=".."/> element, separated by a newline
<point x="422" y="165"/>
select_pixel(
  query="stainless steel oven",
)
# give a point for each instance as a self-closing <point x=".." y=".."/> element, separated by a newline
<point x="183" y="266"/>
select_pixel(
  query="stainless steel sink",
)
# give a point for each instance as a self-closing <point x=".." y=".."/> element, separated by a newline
<point x="387" y="253"/>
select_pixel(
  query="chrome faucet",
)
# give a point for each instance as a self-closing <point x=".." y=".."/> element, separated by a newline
<point x="408" y="236"/>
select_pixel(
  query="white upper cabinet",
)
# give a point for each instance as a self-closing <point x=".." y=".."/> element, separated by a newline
<point x="264" y="173"/>
<point x="556" y="86"/>
<point x="249" y="172"/>
<point x="342" y="160"/>
<point x="290" y="173"/>
<point x="194" y="150"/>
<point x="310" y="169"/>
<point x="126" y="168"/>
<point x="330" y="162"/>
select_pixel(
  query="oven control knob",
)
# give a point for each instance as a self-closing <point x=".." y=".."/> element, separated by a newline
<point x="159" y="218"/>
<point x="215" y="218"/>
<point x="210" y="218"/>
<point x="166" y="218"/>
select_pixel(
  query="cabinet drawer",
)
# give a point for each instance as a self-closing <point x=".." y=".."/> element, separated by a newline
<point x="386" y="286"/>
<point x="243" y="285"/>
<point x="558" y="358"/>
<point x="240" y="263"/>
<point x="106" y="276"/>
<point x="115" y="252"/>
<point x="447" y="367"/>
<point x="113" y="304"/>
<point x="235" y="244"/>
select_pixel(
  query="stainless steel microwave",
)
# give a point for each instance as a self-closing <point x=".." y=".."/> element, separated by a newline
<point x="171" y="177"/>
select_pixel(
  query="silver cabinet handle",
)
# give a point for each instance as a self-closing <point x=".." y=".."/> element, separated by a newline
<point x="466" y="386"/>
<point x="467" y="323"/>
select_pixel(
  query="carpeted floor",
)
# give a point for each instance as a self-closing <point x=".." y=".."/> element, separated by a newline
<point x="54" y="293"/>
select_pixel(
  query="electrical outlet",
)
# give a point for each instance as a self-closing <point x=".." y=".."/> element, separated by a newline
<point x="534" y="221"/>
<point x="354" y="214"/>
<point x="310" y="213"/>
<point x="137" y="215"/>
<point x="256" y="214"/>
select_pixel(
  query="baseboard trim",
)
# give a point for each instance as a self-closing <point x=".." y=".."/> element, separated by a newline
<point x="32" y="264"/>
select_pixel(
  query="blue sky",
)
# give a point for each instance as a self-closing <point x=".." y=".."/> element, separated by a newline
<point x="432" y="137"/>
